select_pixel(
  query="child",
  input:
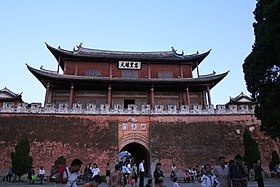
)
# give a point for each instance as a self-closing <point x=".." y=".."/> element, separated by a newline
<point x="150" y="181"/>
<point x="175" y="184"/>
<point x="96" y="180"/>
<point x="208" y="179"/>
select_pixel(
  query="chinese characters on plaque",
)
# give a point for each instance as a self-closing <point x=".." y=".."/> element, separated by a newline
<point x="134" y="127"/>
<point x="129" y="65"/>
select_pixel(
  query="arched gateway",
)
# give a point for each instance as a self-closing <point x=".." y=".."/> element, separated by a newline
<point x="134" y="138"/>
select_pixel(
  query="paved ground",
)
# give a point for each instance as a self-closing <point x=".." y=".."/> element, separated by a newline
<point x="269" y="182"/>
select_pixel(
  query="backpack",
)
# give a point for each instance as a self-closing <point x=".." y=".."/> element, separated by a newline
<point x="57" y="175"/>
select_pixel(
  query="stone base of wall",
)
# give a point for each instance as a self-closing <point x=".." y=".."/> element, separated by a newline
<point x="186" y="141"/>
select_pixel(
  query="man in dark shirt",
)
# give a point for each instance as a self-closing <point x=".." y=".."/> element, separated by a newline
<point x="158" y="175"/>
<point x="258" y="173"/>
<point x="238" y="173"/>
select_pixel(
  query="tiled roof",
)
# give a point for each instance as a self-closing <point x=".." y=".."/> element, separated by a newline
<point x="47" y="75"/>
<point x="162" y="56"/>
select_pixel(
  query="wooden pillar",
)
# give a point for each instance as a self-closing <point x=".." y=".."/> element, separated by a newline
<point x="149" y="70"/>
<point x="47" y="94"/>
<point x="181" y="71"/>
<point x="58" y="65"/>
<point x="110" y="70"/>
<point x="184" y="98"/>
<point x="188" y="96"/>
<point x="152" y="97"/>
<point x="197" y="70"/>
<point x="209" y="96"/>
<point x="71" y="96"/>
<point x="76" y="67"/>
<point x="109" y="96"/>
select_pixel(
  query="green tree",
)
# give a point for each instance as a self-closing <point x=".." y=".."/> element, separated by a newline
<point x="274" y="160"/>
<point x="252" y="153"/>
<point x="21" y="161"/>
<point x="262" y="66"/>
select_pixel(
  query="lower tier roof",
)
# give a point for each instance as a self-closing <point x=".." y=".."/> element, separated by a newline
<point x="60" y="81"/>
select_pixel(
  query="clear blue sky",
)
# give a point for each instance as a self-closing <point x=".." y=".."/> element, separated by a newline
<point x="146" y="25"/>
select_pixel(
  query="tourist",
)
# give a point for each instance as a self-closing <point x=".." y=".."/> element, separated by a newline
<point x="141" y="172"/>
<point x="71" y="174"/>
<point x="95" y="170"/>
<point x="238" y="173"/>
<point x="134" y="173"/>
<point x="116" y="177"/>
<point x="9" y="175"/>
<point x="198" y="173"/>
<point x="208" y="179"/>
<point x="124" y="172"/>
<point x="175" y="183"/>
<point x="191" y="172"/>
<point x="222" y="172"/>
<point x="158" y="175"/>
<point x="173" y="171"/>
<point x="258" y="173"/>
<point x="128" y="170"/>
<point x="41" y="174"/>
<point x="30" y="175"/>
<point x="277" y="170"/>
<point x="87" y="173"/>
<point x="108" y="172"/>
<point x="187" y="176"/>
<point x="149" y="183"/>
<point x="96" y="180"/>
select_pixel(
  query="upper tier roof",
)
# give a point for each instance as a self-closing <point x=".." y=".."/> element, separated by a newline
<point x="96" y="54"/>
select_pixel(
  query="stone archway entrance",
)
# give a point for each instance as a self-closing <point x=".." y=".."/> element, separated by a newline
<point x="134" y="137"/>
<point x="139" y="153"/>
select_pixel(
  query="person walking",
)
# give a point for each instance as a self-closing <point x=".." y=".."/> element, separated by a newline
<point x="9" y="175"/>
<point x="134" y="173"/>
<point x="108" y="172"/>
<point x="30" y="175"/>
<point x="116" y="177"/>
<point x="70" y="175"/>
<point x="258" y="173"/>
<point x="238" y="173"/>
<point x="222" y="172"/>
<point x="41" y="174"/>
<point x="158" y="175"/>
<point x="208" y="179"/>
<point x="142" y="173"/>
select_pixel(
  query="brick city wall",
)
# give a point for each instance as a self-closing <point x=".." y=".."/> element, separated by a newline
<point x="183" y="140"/>
<point x="196" y="140"/>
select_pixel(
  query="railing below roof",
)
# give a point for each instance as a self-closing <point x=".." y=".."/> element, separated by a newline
<point x="105" y="109"/>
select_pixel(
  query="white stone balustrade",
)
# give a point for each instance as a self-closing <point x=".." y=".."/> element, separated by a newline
<point x="132" y="109"/>
<point x="118" y="109"/>
<point x="145" y="109"/>
<point x="171" y="109"/>
<point x="104" y="109"/>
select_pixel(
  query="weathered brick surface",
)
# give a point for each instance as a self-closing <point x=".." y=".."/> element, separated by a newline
<point x="196" y="140"/>
<point x="91" y="139"/>
<point x="183" y="140"/>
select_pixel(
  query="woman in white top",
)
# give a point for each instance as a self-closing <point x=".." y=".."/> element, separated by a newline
<point x="208" y="179"/>
<point x="95" y="170"/>
<point x="41" y="174"/>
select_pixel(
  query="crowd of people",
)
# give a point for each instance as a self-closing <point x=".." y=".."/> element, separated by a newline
<point x="126" y="173"/>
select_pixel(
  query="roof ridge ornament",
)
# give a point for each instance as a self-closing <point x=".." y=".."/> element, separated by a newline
<point x="79" y="46"/>
<point x="177" y="54"/>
